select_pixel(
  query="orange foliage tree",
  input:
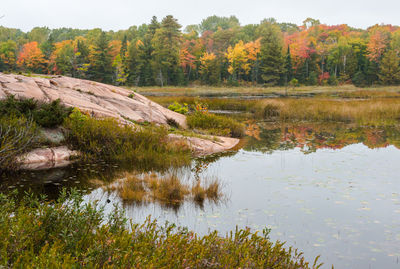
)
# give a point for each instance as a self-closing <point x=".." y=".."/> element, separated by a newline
<point x="31" y="58"/>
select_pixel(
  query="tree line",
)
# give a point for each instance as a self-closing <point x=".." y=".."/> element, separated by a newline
<point x="218" y="51"/>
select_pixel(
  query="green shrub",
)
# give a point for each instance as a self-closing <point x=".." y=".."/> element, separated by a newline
<point x="107" y="139"/>
<point x="182" y="109"/>
<point x="67" y="233"/>
<point x="217" y="125"/>
<point x="359" y="79"/>
<point x="44" y="114"/>
<point x="17" y="135"/>
<point x="333" y="81"/>
<point x="51" y="115"/>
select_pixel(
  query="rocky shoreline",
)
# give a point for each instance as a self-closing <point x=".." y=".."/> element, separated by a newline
<point x="100" y="100"/>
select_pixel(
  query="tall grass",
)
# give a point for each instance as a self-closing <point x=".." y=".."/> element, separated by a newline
<point x="215" y="125"/>
<point x="67" y="233"/>
<point x="107" y="139"/>
<point x="212" y="103"/>
<point x="167" y="190"/>
<point x="363" y="112"/>
<point x="17" y="136"/>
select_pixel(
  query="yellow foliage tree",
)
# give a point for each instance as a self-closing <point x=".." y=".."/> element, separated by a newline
<point x="241" y="56"/>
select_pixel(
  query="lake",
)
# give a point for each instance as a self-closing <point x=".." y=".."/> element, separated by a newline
<point x="331" y="190"/>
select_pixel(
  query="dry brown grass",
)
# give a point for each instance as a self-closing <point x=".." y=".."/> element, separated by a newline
<point x="365" y="112"/>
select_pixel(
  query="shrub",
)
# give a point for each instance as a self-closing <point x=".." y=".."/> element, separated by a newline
<point x="51" y="115"/>
<point x="333" y="81"/>
<point x="182" y="109"/>
<point x="17" y="135"/>
<point x="107" y="139"/>
<point x="173" y="123"/>
<point x="217" y="125"/>
<point x="45" y="115"/>
<point x="294" y="82"/>
<point x="270" y="111"/>
<point x="68" y="233"/>
<point x="359" y="79"/>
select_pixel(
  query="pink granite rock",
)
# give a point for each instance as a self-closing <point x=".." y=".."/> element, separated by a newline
<point x="102" y="100"/>
<point x="99" y="99"/>
<point x="46" y="158"/>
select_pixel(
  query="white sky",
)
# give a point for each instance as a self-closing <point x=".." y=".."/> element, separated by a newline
<point x="120" y="14"/>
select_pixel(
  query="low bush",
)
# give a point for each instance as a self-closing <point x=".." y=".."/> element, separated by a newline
<point x="182" y="109"/>
<point x="216" y="125"/>
<point x="107" y="139"/>
<point x="44" y="114"/>
<point x="51" y="114"/>
<point x="68" y="233"/>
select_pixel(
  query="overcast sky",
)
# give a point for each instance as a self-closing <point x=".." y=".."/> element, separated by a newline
<point x="120" y="14"/>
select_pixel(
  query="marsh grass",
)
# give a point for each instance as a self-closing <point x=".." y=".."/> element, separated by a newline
<point x="215" y="124"/>
<point x="231" y="104"/>
<point x="374" y="112"/>
<point x="167" y="190"/>
<point x="145" y="147"/>
<point x="17" y="136"/>
<point x="68" y="233"/>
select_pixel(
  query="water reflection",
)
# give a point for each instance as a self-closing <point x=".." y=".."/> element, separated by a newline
<point x="327" y="189"/>
<point x="267" y="137"/>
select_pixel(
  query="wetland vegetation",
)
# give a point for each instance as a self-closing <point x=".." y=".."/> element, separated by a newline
<point x="133" y="167"/>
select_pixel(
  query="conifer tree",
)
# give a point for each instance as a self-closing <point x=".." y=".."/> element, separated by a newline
<point x="101" y="68"/>
<point x="271" y="59"/>
<point x="389" y="73"/>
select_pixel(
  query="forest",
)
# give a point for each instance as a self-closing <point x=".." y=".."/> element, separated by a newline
<point x="218" y="51"/>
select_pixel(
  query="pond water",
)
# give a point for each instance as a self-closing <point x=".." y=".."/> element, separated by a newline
<point x="330" y="190"/>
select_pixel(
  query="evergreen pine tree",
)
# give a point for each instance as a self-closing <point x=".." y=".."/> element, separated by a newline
<point x="288" y="67"/>
<point x="101" y="68"/>
<point x="389" y="69"/>
<point x="272" y="63"/>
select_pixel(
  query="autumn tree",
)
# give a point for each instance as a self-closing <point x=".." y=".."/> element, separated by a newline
<point x="63" y="59"/>
<point x="376" y="46"/>
<point x="8" y="51"/>
<point x="209" y="69"/>
<point x="31" y="58"/>
<point x="253" y="50"/>
<point x="238" y="61"/>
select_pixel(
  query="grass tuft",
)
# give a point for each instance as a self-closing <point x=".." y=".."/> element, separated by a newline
<point x="215" y="124"/>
